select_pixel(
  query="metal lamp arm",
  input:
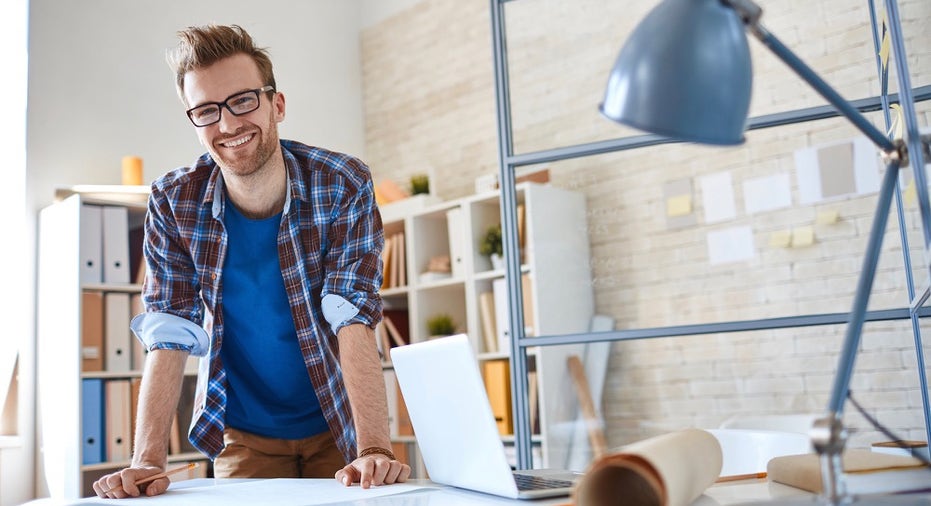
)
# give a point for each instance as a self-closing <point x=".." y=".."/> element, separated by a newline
<point x="751" y="13"/>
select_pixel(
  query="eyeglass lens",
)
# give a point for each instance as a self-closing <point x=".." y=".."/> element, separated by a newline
<point x="239" y="104"/>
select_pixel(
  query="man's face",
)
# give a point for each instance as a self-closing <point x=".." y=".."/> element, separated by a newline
<point x="241" y="145"/>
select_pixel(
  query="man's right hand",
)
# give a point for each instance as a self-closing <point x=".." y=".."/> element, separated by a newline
<point x="122" y="484"/>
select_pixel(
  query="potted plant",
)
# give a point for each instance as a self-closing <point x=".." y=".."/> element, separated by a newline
<point x="441" y="325"/>
<point x="420" y="184"/>
<point x="492" y="246"/>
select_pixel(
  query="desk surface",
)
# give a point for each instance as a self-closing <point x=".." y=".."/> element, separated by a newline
<point x="205" y="492"/>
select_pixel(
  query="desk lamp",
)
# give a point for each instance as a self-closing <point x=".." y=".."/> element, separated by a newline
<point x="685" y="73"/>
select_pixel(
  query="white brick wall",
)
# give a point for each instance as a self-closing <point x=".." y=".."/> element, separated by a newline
<point x="429" y="98"/>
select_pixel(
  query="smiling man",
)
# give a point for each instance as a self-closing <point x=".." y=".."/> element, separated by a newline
<point x="264" y="258"/>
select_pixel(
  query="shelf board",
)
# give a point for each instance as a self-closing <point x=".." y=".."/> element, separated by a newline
<point x="113" y="287"/>
<point x="111" y="374"/>
<point x="135" y="196"/>
<point x="119" y="464"/>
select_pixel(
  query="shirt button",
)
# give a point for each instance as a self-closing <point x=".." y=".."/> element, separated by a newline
<point x="213" y="276"/>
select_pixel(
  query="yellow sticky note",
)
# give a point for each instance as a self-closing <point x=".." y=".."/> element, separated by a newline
<point x="780" y="239"/>
<point x="680" y="205"/>
<point x="827" y="217"/>
<point x="803" y="236"/>
<point x="895" y="129"/>
<point x="884" y="46"/>
<point x="911" y="194"/>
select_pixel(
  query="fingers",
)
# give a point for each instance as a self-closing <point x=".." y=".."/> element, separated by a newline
<point x="122" y="484"/>
<point x="347" y="475"/>
<point x="373" y="470"/>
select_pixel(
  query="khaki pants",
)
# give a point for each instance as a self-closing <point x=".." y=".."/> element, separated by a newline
<point x="251" y="456"/>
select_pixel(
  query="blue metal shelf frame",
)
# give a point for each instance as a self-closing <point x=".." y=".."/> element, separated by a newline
<point x="508" y="161"/>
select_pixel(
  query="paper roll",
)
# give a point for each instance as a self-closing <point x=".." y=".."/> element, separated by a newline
<point x="132" y="170"/>
<point x="668" y="470"/>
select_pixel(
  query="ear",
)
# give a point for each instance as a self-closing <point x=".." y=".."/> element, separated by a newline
<point x="278" y="105"/>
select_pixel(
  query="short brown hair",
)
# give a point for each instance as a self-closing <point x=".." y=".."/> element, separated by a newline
<point x="202" y="46"/>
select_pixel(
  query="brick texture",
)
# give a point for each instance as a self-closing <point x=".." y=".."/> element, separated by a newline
<point x="430" y="107"/>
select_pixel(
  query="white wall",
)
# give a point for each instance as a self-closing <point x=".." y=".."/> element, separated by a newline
<point x="99" y="89"/>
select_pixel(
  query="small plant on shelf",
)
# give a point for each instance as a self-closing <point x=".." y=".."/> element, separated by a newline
<point x="441" y="325"/>
<point x="420" y="183"/>
<point x="492" y="246"/>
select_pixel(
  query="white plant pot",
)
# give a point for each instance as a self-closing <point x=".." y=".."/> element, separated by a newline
<point x="497" y="261"/>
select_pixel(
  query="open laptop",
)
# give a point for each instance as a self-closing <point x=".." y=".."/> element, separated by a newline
<point x="455" y="427"/>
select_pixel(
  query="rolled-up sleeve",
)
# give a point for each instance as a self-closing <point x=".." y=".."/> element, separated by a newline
<point x="350" y="291"/>
<point x="167" y="331"/>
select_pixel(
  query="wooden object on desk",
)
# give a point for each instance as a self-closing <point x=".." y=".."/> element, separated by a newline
<point x="669" y="470"/>
<point x="865" y="472"/>
<point x="593" y="423"/>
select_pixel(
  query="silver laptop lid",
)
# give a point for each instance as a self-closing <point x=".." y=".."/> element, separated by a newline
<point x="451" y="416"/>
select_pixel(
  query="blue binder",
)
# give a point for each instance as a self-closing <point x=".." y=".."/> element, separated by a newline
<point x="92" y="421"/>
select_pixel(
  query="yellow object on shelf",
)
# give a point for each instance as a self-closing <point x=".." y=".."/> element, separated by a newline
<point x="132" y="171"/>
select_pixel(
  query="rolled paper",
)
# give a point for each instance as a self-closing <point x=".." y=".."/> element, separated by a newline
<point x="132" y="170"/>
<point x="669" y="470"/>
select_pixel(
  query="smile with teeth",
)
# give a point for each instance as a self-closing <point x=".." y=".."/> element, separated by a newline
<point x="237" y="142"/>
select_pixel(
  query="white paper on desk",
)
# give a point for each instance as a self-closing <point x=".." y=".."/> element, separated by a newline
<point x="277" y="492"/>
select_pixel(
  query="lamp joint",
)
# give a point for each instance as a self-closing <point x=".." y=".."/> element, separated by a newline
<point x="899" y="153"/>
<point x="748" y="11"/>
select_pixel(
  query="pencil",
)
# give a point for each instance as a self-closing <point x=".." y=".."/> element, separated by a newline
<point x="154" y="477"/>
<point x="737" y="477"/>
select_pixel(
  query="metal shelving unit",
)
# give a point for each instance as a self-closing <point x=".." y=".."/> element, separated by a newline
<point x="510" y="161"/>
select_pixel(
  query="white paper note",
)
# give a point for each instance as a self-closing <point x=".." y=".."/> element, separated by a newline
<point x="717" y="193"/>
<point x="728" y="245"/>
<point x="767" y="193"/>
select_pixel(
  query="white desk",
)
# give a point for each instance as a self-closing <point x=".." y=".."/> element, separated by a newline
<point x="206" y="491"/>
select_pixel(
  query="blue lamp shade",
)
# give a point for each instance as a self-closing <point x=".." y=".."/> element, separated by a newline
<point x="684" y="73"/>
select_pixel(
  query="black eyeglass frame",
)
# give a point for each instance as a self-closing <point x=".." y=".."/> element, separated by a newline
<point x="225" y="103"/>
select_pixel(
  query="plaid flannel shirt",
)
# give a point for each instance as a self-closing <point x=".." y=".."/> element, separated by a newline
<point x="329" y="245"/>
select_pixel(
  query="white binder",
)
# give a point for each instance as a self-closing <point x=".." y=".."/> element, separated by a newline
<point x="91" y="247"/>
<point x="117" y="336"/>
<point x="454" y="226"/>
<point x="115" y="244"/>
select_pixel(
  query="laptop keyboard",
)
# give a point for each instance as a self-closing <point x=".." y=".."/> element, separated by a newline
<point x="530" y="482"/>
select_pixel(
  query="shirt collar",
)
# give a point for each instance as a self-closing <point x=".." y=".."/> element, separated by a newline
<point x="215" y="190"/>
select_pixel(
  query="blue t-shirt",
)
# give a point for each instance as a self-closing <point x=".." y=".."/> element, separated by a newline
<point x="269" y="392"/>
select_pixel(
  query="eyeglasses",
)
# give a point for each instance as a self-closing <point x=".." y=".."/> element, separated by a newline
<point x="241" y="103"/>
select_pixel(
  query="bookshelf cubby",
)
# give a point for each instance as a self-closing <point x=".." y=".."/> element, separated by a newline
<point x="557" y="296"/>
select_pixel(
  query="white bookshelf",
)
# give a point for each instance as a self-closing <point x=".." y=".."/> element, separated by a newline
<point x="556" y="260"/>
<point x="59" y="339"/>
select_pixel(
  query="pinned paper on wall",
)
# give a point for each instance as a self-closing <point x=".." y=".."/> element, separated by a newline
<point x="827" y="217"/>
<point x="780" y="239"/>
<point x="837" y="170"/>
<point x="767" y="193"/>
<point x="680" y="209"/>
<point x="885" y="44"/>
<point x="680" y="205"/>
<point x="803" y="236"/>
<point x="728" y="245"/>
<point x="717" y="192"/>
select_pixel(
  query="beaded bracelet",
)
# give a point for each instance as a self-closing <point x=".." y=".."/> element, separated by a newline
<point x="377" y="450"/>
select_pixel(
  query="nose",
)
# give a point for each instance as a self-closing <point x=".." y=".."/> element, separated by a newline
<point x="229" y="122"/>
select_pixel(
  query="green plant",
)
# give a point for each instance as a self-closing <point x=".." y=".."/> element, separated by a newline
<point x="420" y="183"/>
<point x="491" y="241"/>
<point x="441" y="325"/>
